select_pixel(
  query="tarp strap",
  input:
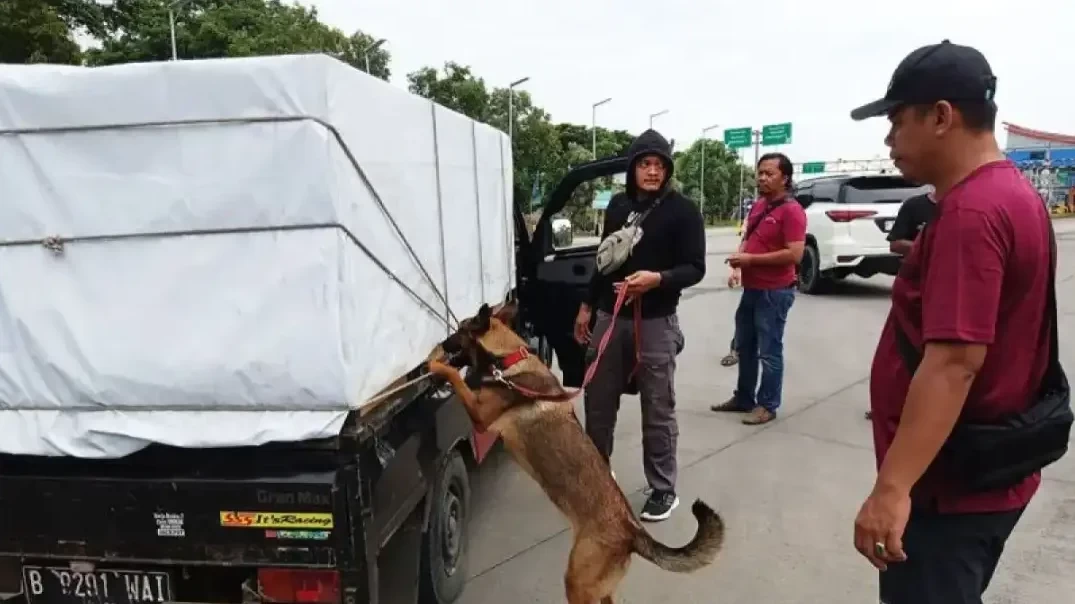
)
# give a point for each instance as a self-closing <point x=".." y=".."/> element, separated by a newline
<point x="270" y="119"/>
<point x="56" y="245"/>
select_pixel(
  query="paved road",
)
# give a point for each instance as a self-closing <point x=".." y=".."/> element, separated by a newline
<point x="789" y="491"/>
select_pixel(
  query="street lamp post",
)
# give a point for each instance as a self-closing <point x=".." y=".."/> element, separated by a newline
<point x="593" y="132"/>
<point x="511" y="123"/>
<point x="656" y="115"/>
<point x="511" y="106"/>
<point x="593" y="123"/>
<point x="172" y="6"/>
<point x="372" y="47"/>
<point x="701" y="179"/>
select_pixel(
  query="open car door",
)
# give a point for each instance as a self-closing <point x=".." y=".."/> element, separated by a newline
<point x="554" y="281"/>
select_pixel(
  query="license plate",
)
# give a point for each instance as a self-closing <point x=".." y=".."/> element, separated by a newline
<point x="887" y="225"/>
<point x="58" y="585"/>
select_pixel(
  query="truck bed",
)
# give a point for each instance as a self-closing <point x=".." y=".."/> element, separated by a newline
<point x="192" y="507"/>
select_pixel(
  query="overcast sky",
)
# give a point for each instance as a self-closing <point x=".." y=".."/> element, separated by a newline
<point x="741" y="63"/>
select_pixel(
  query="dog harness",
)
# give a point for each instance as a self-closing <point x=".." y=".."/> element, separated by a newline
<point x="505" y="362"/>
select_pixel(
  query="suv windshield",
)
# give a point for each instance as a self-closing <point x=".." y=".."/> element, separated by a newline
<point x="880" y="189"/>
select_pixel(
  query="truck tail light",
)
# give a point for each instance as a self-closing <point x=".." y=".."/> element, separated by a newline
<point x="849" y="215"/>
<point x="300" y="586"/>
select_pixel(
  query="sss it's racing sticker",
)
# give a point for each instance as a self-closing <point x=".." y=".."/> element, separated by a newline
<point x="276" y="520"/>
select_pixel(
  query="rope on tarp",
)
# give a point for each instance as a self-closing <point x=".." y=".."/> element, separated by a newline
<point x="260" y="120"/>
<point x="57" y="244"/>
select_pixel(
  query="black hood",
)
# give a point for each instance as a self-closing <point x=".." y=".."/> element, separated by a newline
<point x="649" y="142"/>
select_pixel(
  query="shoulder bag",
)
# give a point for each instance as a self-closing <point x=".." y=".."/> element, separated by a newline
<point x="615" y="249"/>
<point x="1001" y="454"/>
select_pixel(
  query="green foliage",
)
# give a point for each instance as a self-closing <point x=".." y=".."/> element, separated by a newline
<point x="138" y="30"/>
<point x="609" y="142"/>
<point x="42" y="31"/>
<point x="458" y="89"/>
<point x="723" y="172"/>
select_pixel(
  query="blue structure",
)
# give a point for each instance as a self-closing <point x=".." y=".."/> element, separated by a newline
<point x="1047" y="159"/>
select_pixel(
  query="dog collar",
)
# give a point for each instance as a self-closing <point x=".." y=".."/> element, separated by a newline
<point x="513" y="358"/>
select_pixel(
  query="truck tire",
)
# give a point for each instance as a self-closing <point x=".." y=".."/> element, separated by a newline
<point x="444" y="544"/>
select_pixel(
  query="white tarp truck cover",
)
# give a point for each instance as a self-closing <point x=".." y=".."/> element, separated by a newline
<point x="247" y="249"/>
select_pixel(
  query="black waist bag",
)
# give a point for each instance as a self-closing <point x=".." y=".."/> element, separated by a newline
<point x="997" y="455"/>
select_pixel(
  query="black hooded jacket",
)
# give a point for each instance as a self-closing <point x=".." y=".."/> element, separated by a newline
<point x="673" y="241"/>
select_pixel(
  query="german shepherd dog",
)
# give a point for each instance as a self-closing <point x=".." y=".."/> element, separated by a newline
<point x="515" y="395"/>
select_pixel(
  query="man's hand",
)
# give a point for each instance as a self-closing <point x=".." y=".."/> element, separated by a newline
<point x="740" y="259"/>
<point x="880" y="524"/>
<point x="582" y="324"/>
<point x="735" y="278"/>
<point x="639" y="283"/>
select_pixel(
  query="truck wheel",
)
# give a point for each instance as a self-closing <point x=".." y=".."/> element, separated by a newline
<point x="444" y="544"/>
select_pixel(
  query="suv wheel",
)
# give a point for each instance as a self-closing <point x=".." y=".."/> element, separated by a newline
<point x="444" y="544"/>
<point x="811" y="281"/>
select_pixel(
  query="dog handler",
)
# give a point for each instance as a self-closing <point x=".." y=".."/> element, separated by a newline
<point x="667" y="256"/>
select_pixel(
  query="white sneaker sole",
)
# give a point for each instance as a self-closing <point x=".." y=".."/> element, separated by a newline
<point x="659" y="517"/>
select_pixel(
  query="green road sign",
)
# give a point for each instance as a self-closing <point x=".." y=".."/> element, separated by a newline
<point x="813" y="167"/>
<point x="776" y="134"/>
<point x="738" y="138"/>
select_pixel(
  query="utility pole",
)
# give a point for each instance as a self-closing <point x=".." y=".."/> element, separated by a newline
<point x="757" y="156"/>
<point x="739" y="199"/>
<point x="511" y="126"/>
<point x="593" y="129"/>
<point x="172" y="7"/>
<point x="701" y="178"/>
<point x="369" y="49"/>
<point x="511" y="109"/>
<point x="656" y="115"/>
<point x="593" y="123"/>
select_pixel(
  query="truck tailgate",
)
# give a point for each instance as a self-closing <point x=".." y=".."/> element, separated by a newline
<point x="167" y="519"/>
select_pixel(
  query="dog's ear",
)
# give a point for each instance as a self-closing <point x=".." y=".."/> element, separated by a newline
<point x="481" y="323"/>
<point x="506" y="312"/>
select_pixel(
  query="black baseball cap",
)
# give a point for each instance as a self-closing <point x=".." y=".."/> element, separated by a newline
<point x="938" y="72"/>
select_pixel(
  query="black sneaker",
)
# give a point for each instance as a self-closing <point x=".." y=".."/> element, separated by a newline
<point x="659" y="506"/>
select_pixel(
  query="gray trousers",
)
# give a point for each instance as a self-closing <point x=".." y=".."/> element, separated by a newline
<point x="662" y="340"/>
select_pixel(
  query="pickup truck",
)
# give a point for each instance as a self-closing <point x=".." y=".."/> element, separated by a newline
<point x="376" y="514"/>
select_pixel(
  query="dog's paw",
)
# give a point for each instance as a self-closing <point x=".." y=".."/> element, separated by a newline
<point x="439" y="368"/>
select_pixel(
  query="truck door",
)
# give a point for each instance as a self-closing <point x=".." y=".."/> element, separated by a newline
<point x="557" y="267"/>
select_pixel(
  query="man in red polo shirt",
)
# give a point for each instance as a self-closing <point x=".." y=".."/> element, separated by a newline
<point x="971" y="299"/>
<point x="771" y="248"/>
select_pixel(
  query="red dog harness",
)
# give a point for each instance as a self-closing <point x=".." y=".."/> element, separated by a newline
<point x="522" y="353"/>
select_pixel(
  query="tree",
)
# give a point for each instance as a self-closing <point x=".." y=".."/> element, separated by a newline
<point x="354" y="53"/>
<point x="459" y="89"/>
<point x="536" y="154"/>
<point x="138" y="30"/>
<point x="610" y="143"/>
<point x="42" y="31"/>
<point x="723" y="172"/>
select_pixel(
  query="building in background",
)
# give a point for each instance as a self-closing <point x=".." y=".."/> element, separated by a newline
<point x="1048" y="161"/>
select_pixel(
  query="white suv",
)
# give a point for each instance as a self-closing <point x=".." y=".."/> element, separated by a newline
<point x="847" y="223"/>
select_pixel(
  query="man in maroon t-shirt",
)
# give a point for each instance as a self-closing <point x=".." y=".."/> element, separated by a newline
<point x="765" y="264"/>
<point x="971" y="298"/>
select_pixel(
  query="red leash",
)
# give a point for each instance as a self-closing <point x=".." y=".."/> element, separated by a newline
<point x="621" y="300"/>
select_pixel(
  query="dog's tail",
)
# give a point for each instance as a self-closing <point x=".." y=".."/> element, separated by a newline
<point x="700" y="552"/>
